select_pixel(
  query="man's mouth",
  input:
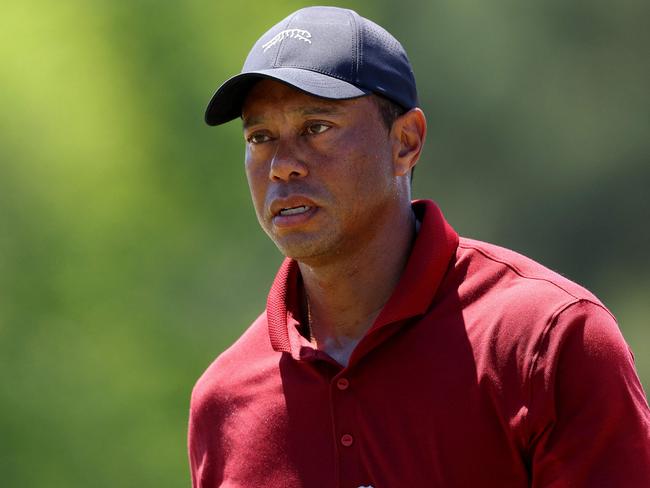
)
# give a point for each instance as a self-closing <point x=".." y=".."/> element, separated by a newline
<point x="294" y="210"/>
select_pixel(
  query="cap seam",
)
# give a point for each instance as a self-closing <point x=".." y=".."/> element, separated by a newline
<point x="281" y="45"/>
<point x="358" y="46"/>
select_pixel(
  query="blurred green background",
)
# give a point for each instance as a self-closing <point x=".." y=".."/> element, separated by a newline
<point x="129" y="252"/>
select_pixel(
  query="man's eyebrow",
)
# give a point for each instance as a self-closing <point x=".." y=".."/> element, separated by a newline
<point x="311" y="110"/>
<point x="248" y="121"/>
<point x="320" y="110"/>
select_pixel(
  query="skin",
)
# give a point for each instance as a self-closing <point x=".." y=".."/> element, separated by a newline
<point x="337" y="158"/>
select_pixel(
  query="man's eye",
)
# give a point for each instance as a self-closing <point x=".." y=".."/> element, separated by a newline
<point x="314" y="129"/>
<point x="257" y="138"/>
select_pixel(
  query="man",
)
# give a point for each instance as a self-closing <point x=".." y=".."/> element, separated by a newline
<point x="393" y="353"/>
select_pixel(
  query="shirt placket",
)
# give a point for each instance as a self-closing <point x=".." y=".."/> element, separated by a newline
<point x="348" y="437"/>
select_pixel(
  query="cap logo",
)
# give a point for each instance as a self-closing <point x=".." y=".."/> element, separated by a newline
<point x="300" y="34"/>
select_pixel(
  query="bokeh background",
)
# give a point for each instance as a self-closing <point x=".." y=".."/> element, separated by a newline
<point x="129" y="252"/>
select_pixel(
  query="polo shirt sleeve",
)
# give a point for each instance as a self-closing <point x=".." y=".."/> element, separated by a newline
<point x="206" y="451"/>
<point x="590" y="422"/>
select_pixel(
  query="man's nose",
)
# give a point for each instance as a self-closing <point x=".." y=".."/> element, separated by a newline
<point x="286" y="164"/>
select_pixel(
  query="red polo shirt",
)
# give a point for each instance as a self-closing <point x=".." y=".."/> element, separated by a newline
<point x="484" y="369"/>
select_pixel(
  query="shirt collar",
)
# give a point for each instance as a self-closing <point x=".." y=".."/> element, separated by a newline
<point x="434" y="246"/>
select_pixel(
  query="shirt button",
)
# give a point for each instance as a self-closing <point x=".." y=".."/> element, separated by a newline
<point x="347" y="440"/>
<point x="342" y="384"/>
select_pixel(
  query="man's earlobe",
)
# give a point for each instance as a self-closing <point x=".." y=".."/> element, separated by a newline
<point x="408" y="132"/>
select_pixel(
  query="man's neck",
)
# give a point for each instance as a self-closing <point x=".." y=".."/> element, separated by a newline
<point x="345" y="296"/>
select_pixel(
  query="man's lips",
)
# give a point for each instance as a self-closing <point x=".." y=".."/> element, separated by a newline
<point x="293" y="205"/>
<point x="294" y="210"/>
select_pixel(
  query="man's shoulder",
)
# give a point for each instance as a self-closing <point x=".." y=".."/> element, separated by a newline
<point x="517" y="276"/>
<point x="515" y="303"/>
<point x="519" y="317"/>
<point x="239" y="366"/>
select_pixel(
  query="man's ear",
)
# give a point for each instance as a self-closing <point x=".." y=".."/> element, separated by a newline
<point x="408" y="134"/>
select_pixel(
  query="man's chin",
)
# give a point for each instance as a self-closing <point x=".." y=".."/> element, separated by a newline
<point x="307" y="250"/>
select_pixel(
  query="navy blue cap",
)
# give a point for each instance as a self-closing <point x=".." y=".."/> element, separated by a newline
<point x="328" y="52"/>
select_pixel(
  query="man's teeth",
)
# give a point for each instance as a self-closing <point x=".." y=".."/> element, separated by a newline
<point x="294" y="210"/>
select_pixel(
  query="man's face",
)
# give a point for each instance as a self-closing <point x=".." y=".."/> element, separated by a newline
<point x="320" y="171"/>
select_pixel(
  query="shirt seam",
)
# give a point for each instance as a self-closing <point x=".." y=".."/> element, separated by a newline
<point x="550" y="326"/>
<point x="553" y="319"/>
<point x="520" y="273"/>
<point x="517" y="271"/>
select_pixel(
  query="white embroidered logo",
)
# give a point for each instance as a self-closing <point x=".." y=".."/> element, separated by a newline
<point x="369" y="486"/>
<point x="301" y="34"/>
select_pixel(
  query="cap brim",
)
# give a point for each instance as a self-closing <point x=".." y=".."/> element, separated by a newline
<point x="226" y="103"/>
